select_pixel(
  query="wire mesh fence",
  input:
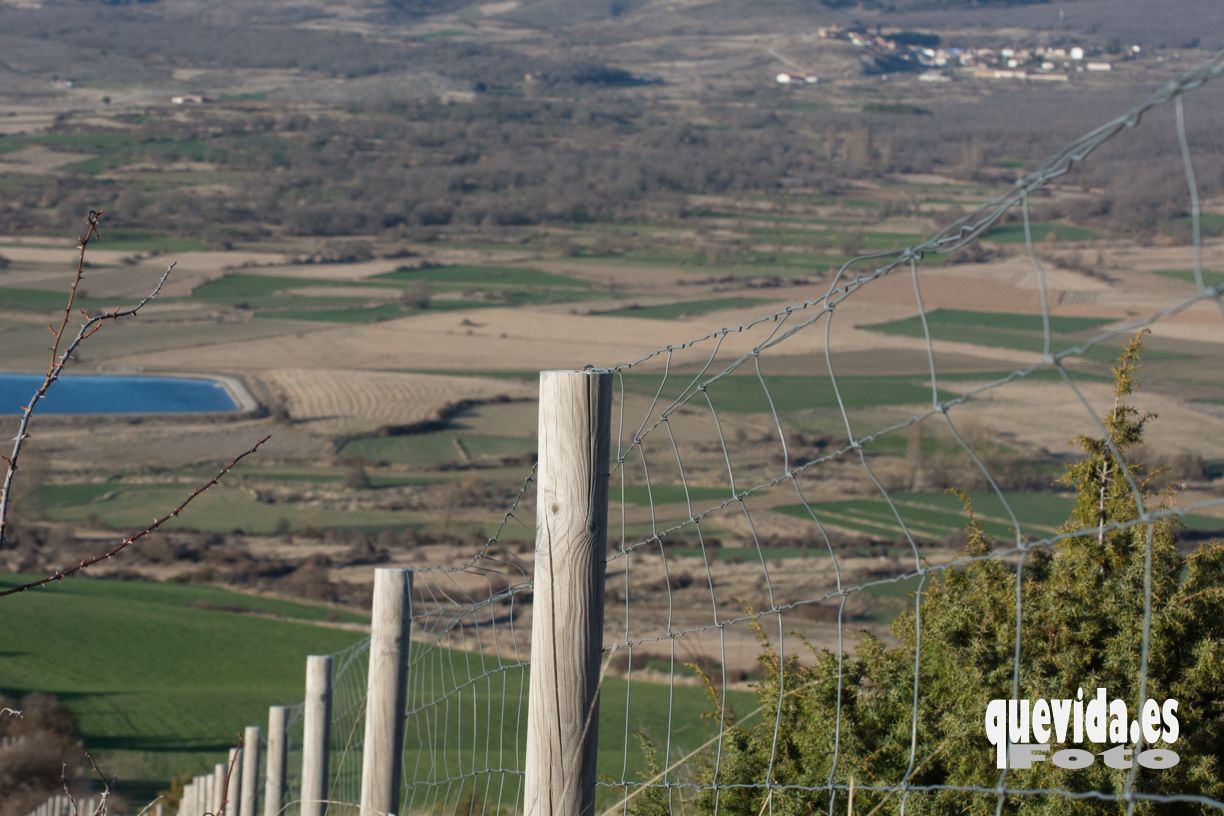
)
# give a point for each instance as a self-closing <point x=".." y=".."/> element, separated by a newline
<point x="799" y="619"/>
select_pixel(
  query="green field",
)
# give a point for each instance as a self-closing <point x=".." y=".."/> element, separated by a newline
<point x="666" y="493"/>
<point x="1014" y="233"/>
<point x="42" y="300"/>
<point x="691" y="308"/>
<point x="162" y="677"/>
<point x="1022" y="332"/>
<point x="934" y="516"/>
<point x="743" y="394"/>
<point x="1210" y="278"/>
<point x="512" y="276"/>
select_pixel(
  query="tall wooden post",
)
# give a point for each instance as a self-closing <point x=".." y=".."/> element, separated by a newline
<point x="316" y="736"/>
<point x="278" y="749"/>
<point x="382" y="752"/>
<point x="249" y="789"/>
<point x="567" y="610"/>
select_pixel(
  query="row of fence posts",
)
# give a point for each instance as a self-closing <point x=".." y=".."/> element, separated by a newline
<point x="61" y="805"/>
<point x="567" y="638"/>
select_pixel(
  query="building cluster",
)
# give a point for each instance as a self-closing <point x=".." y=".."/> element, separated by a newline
<point x="939" y="63"/>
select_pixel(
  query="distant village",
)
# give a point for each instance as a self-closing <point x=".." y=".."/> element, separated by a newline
<point x="934" y="62"/>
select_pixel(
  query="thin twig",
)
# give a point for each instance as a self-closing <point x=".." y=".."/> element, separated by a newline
<point x="149" y="806"/>
<point x="60" y="575"/>
<point x="106" y="787"/>
<point x="72" y="805"/>
<point x="10" y="712"/>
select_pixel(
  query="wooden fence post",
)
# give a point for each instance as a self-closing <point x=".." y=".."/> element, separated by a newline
<point x="233" y="789"/>
<point x="382" y="751"/>
<point x="215" y="787"/>
<point x="249" y="794"/>
<point x="278" y="748"/>
<point x="567" y="609"/>
<point x="316" y="735"/>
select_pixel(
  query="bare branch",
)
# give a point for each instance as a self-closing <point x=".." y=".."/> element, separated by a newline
<point x="149" y="806"/>
<point x="106" y="787"/>
<point x="72" y="805"/>
<point x="60" y="575"/>
<point x="10" y="712"/>
<point x="59" y="360"/>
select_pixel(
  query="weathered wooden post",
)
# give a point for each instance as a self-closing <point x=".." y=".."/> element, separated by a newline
<point x="215" y="789"/>
<point x="316" y="735"/>
<point x="278" y="748"/>
<point x="249" y="794"/>
<point x="387" y="691"/>
<point x="195" y="804"/>
<point x="233" y="788"/>
<point x="567" y="610"/>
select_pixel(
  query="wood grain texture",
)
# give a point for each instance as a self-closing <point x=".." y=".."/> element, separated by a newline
<point x="316" y="734"/>
<point x="278" y="746"/>
<point x="567" y="610"/>
<point x="382" y="752"/>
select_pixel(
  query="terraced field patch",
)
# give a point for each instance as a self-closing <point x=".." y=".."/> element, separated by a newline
<point x="1022" y="332"/>
<point x="743" y="393"/>
<point x="683" y="309"/>
<point x="933" y="516"/>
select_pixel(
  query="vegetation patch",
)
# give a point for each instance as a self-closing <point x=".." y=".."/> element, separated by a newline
<point x="1022" y="332"/>
<point x="692" y="308"/>
<point x="1014" y="233"/>
<point x="743" y="393"/>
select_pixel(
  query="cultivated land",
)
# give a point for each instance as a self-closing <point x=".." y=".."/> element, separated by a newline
<point x="385" y="249"/>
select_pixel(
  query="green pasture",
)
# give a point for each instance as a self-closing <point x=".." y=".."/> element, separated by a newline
<point x="665" y="493"/>
<point x="1210" y="278"/>
<point x="221" y="510"/>
<point x="43" y="300"/>
<point x="932" y="516"/>
<point x="1022" y="332"/>
<point x="692" y="308"/>
<point x="1014" y="233"/>
<point x="161" y="676"/>
<point x="743" y="393"/>
<point x="351" y="314"/>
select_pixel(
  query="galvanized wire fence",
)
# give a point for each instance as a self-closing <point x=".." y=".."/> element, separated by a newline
<point x="760" y="520"/>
